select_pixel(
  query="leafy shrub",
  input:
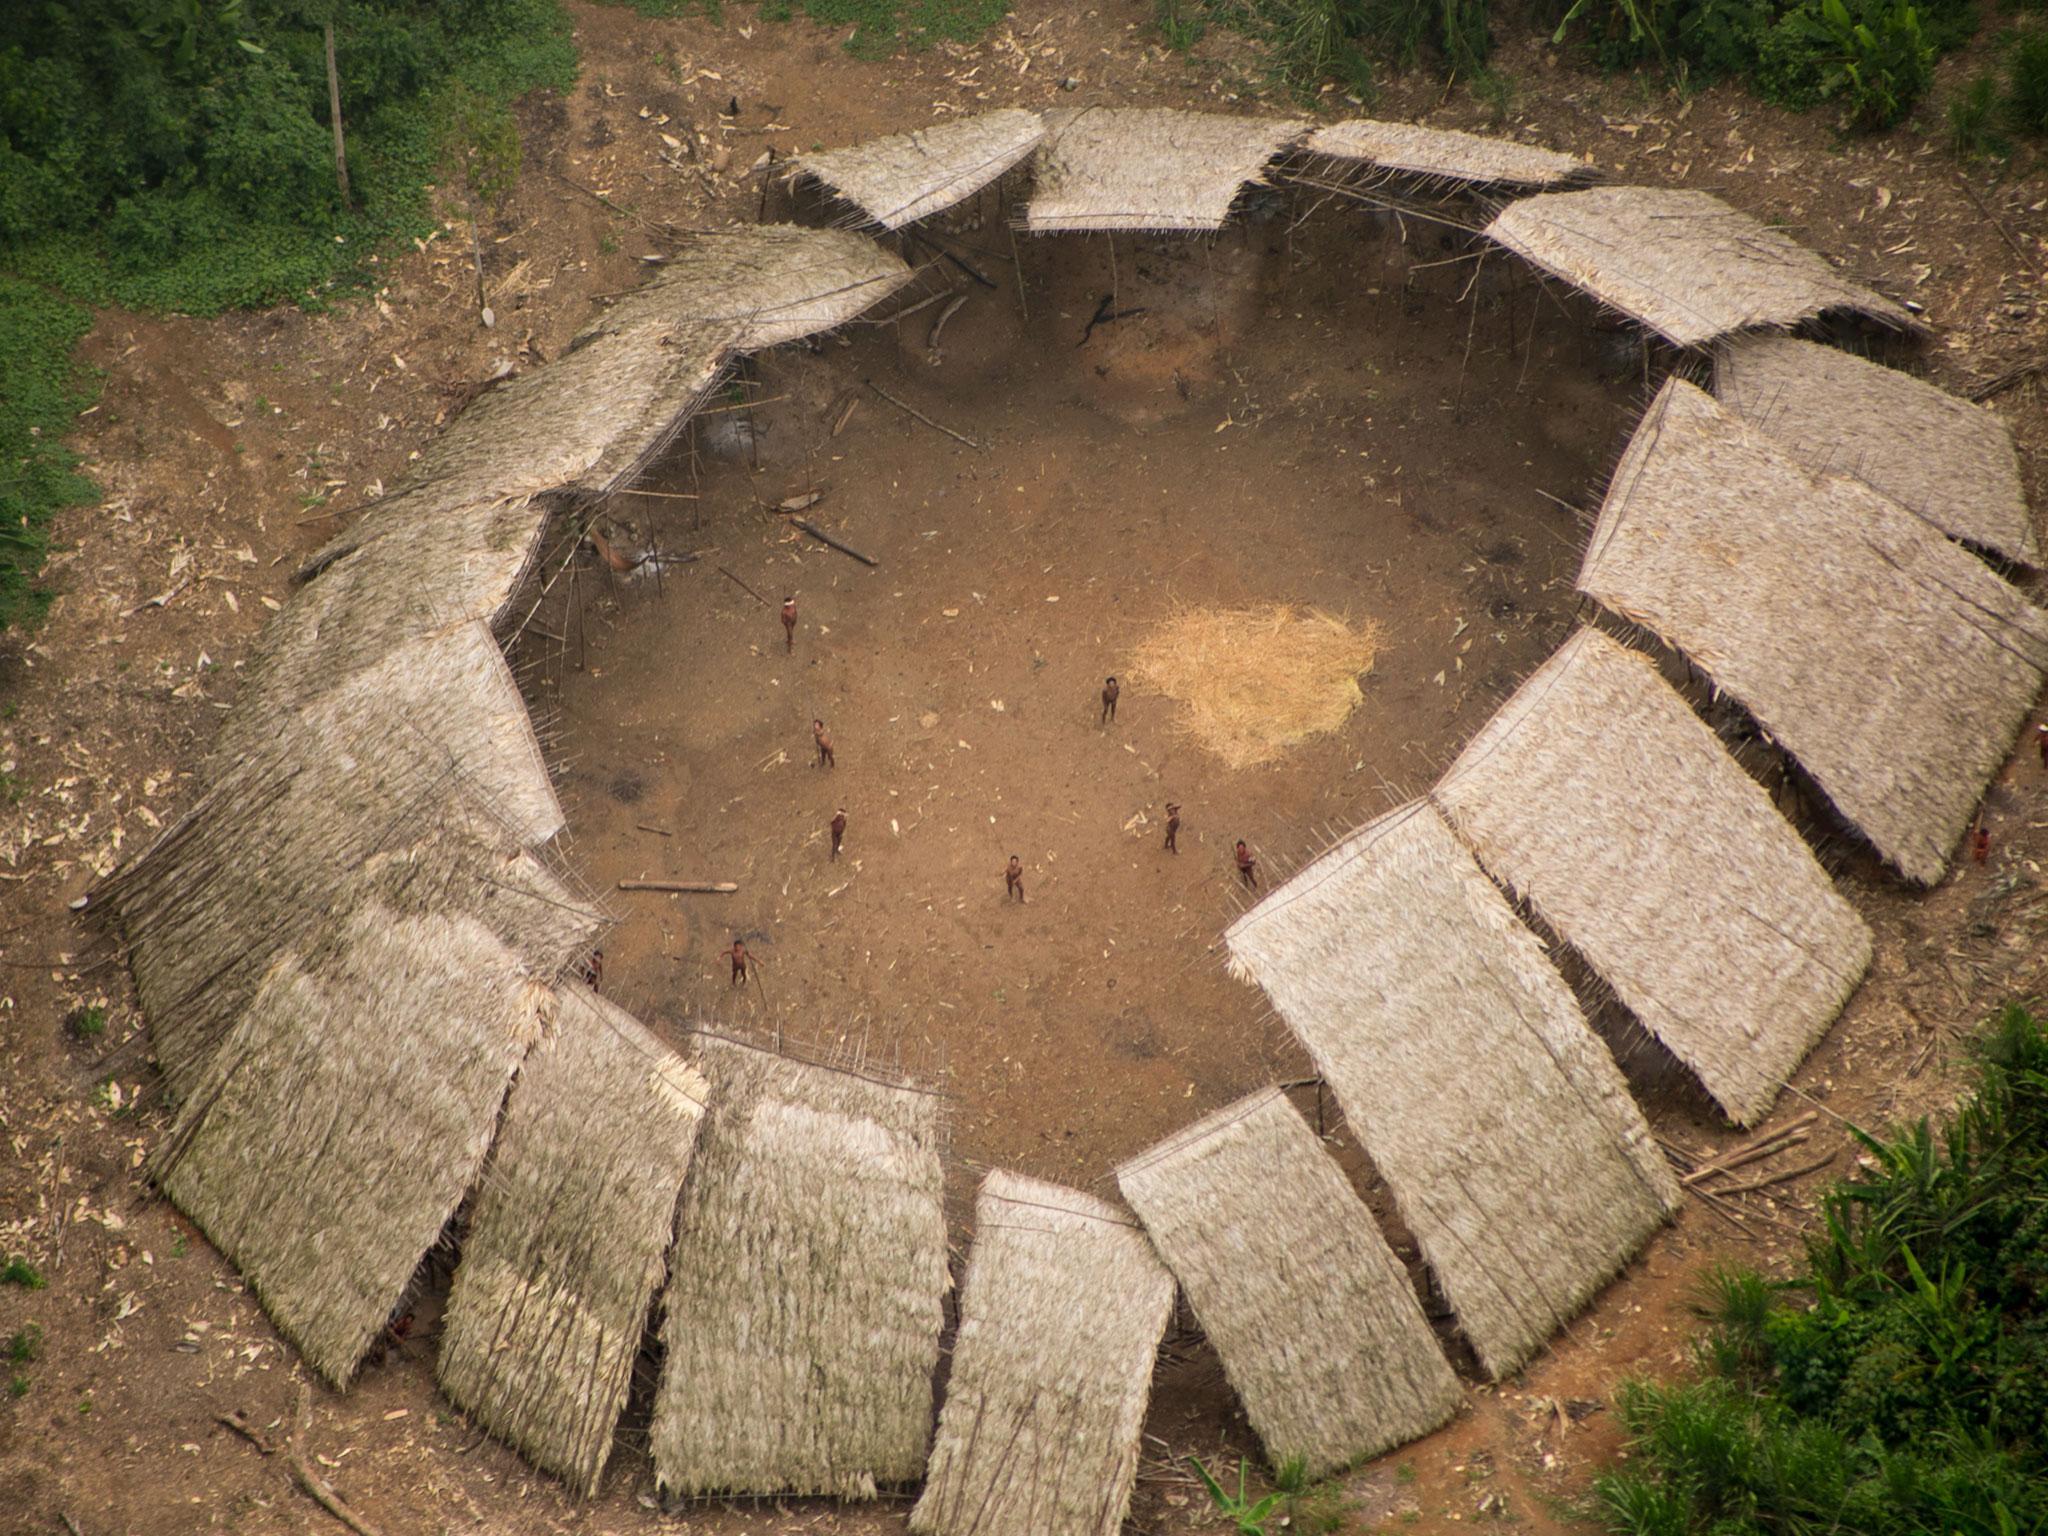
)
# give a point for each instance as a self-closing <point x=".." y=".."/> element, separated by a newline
<point x="177" y="154"/>
<point x="2027" y="81"/>
<point x="1900" y="1386"/>
<point x="1970" y="116"/>
<point x="18" y="1271"/>
<point x="1875" y="60"/>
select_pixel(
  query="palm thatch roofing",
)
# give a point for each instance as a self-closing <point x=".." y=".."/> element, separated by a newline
<point x="569" y="1238"/>
<point x="1683" y="263"/>
<point x="285" y="845"/>
<point x="1148" y="168"/>
<point x="1892" y="663"/>
<point x="910" y="176"/>
<point x="1314" y="1318"/>
<point x="1951" y="462"/>
<point x="1499" y="1121"/>
<point x="590" y="419"/>
<point x="1446" y="154"/>
<point x="327" y="1142"/>
<point x="1061" y="1316"/>
<point x="444" y="691"/>
<point x="806" y="1284"/>
<point x="1608" y="806"/>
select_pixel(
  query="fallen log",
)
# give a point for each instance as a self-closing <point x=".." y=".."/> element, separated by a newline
<point x="825" y="538"/>
<point x="683" y="887"/>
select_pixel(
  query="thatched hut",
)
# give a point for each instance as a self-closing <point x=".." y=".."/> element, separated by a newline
<point x="445" y="692"/>
<point x="1951" y="462"/>
<point x="569" y="1238"/>
<point x="1683" y="263"/>
<point x="806" y="1284"/>
<point x="905" y="177"/>
<point x="1499" y="1121"/>
<point x="1148" y="168"/>
<point x="1061" y="1316"/>
<point x="1315" y="1320"/>
<point x="327" y="1141"/>
<point x="1893" y="664"/>
<point x="1604" y="802"/>
<point x="1446" y="154"/>
<point x="283" y="846"/>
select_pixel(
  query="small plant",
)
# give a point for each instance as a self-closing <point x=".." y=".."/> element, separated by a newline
<point x="18" y="1271"/>
<point x="87" y="1023"/>
<point x="17" y="1387"/>
<point x="24" y="1345"/>
<point x="1969" y="120"/>
<point x="2026" y="104"/>
<point x="1496" y="92"/>
<point x="608" y="244"/>
<point x="1249" y="1517"/>
<point x="1180" y="25"/>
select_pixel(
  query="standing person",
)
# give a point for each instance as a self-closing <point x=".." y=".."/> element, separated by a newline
<point x="789" y="622"/>
<point x="593" y="970"/>
<point x="2041" y="736"/>
<point x="1172" y="827"/>
<point x="1247" y="866"/>
<point x="1013" y="880"/>
<point x="838" y="829"/>
<point x="1980" y="843"/>
<point x="823" y="738"/>
<point x="1109" y="692"/>
<point x="739" y="961"/>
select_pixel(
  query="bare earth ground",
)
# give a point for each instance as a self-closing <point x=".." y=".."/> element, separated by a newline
<point x="1113" y="491"/>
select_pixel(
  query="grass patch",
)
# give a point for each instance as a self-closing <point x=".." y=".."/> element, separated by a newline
<point x="41" y="391"/>
<point x="1899" y="1386"/>
<point x="18" y="1271"/>
<point x="87" y="1023"/>
<point x="880" y="27"/>
<point x="24" y="1346"/>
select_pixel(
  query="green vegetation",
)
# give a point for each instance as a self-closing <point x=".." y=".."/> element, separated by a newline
<point x="41" y="389"/>
<point x="880" y="27"/>
<point x="178" y="154"/>
<point x="87" y="1023"/>
<point x="24" y="1345"/>
<point x="18" y="1271"/>
<point x="1899" y="1387"/>
<point x="1249" y="1516"/>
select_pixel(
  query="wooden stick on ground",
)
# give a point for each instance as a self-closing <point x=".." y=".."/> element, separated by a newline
<point x="648" y="826"/>
<point x="825" y="538"/>
<point x="1777" y="1178"/>
<point x="684" y="887"/>
<point x="915" y="414"/>
<point x="757" y="597"/>
<point x="1749" y="1151"/>
<point x="314" y="1486"/>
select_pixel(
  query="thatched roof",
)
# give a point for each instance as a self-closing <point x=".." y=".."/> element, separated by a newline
<point x="1683" y="263"/>
<point x="1148" y="167"/>
<point x="805" y="1288"/>
<point x="283" y="846"/>
<point x="1892" y="663"/>
<point x="329" y="1139"/>
<point x="1952" y="462"/>
<point x="1060" y="1320"/>
<point x="1606" y="804"/>
<point x="910" y="176"/>
<point x="570" y="1235"/>
<point x="1446" y="154"/>
<point x="445" y="691"/>
<point x="1314" y="1318"/>
<point x="588" y="420"/>
<point x="1497" y="1118"/>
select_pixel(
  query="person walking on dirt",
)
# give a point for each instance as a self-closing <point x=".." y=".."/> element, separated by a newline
<point x="1980" y="843"/>
<point x="1109" y="692"/>
<point x="593" y="970"/>
<point x="789" y="622"/>
<point x="823" y="738"/>
<point x="838" y="829"/>
<point x="739" y="962"/>
<point x="1247" y="866"/>
<point x="1172" y="827"/>
<point x="2041" y="738"/>
<point x="1013" y="879"/>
